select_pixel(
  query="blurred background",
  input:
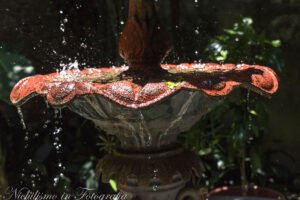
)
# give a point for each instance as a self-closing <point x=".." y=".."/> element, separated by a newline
<point x="249" y="136"/>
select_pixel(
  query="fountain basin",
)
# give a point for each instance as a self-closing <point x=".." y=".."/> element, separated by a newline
<point x="145" y="115"/>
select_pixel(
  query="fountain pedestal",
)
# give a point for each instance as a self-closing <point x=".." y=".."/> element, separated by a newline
<point x="149" y="163"/>
<point x="152" y="175"/>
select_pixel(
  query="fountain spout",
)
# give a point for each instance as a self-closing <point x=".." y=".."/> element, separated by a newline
<point x="143" y="43"/>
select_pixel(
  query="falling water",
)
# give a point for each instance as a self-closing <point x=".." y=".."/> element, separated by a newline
<point x="58" y="146"/>
<point x="155" y="178"/>
<point x="144" y="131"/>
<point x="197" y="3"/>
<point x="181" y="113"/>
<point x="62" y="26"/>
<point x="249" y="110"/>
<point x="32" y="177"/>
<point x="21" y="117"/>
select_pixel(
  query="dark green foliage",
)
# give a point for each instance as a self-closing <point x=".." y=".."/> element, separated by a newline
<point x="241" y="44"/>
<point x="230" y="138"/>
<point x="13" y="67"/>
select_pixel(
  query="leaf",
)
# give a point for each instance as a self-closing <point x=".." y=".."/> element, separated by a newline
<point x="248" y="21"/>
<point x="256" y="162"/>
<point x="172" y="85"/>
<point x="113" y="185"/>
<point x="253" y="112"/>
<point x="204" y="152"/>
<point x="276" y="43"/>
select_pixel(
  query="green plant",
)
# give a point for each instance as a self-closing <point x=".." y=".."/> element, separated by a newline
<point x="13" y="67"/>
<point x="242" y="44"/>
<point x="229" y="138"/>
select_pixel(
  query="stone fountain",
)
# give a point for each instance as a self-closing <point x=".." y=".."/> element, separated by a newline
<point x="146" y="105"/>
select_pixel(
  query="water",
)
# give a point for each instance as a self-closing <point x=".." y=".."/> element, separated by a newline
<point x="180" y="115"/>
<point x="32" y="177"/>
<point x="30" y="173"/>
<point x="21" y="117"/>
<point x="145" y="137"/>
<point x="62" y="26"/>
<point x="249" y="110"/>
<point x="57" y="144"/>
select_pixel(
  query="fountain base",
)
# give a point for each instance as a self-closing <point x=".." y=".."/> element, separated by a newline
<point x="152" y="176"/>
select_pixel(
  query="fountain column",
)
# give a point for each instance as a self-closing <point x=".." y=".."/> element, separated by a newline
<point x="143" y="43"/>
<point x="159" y="173"/>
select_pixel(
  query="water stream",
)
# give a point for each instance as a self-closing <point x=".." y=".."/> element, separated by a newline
<point x="57" y="144"/>
<point x="29" y="172"/>
<point x="33" y="177"/>
<point x="181" y="113"/>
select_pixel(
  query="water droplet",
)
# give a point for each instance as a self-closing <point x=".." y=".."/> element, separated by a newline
<point x="64" y="42"/>
<point x="29" y="162"/>
<point x="62" y="28"/>
<point x="83" y="45"/>
<point x="56" y="179"/>
<point x="155" y="188"/>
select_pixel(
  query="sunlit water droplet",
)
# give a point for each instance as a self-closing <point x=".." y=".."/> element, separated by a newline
<point x="55" y="181"/>
<point x="64" y="42"/>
